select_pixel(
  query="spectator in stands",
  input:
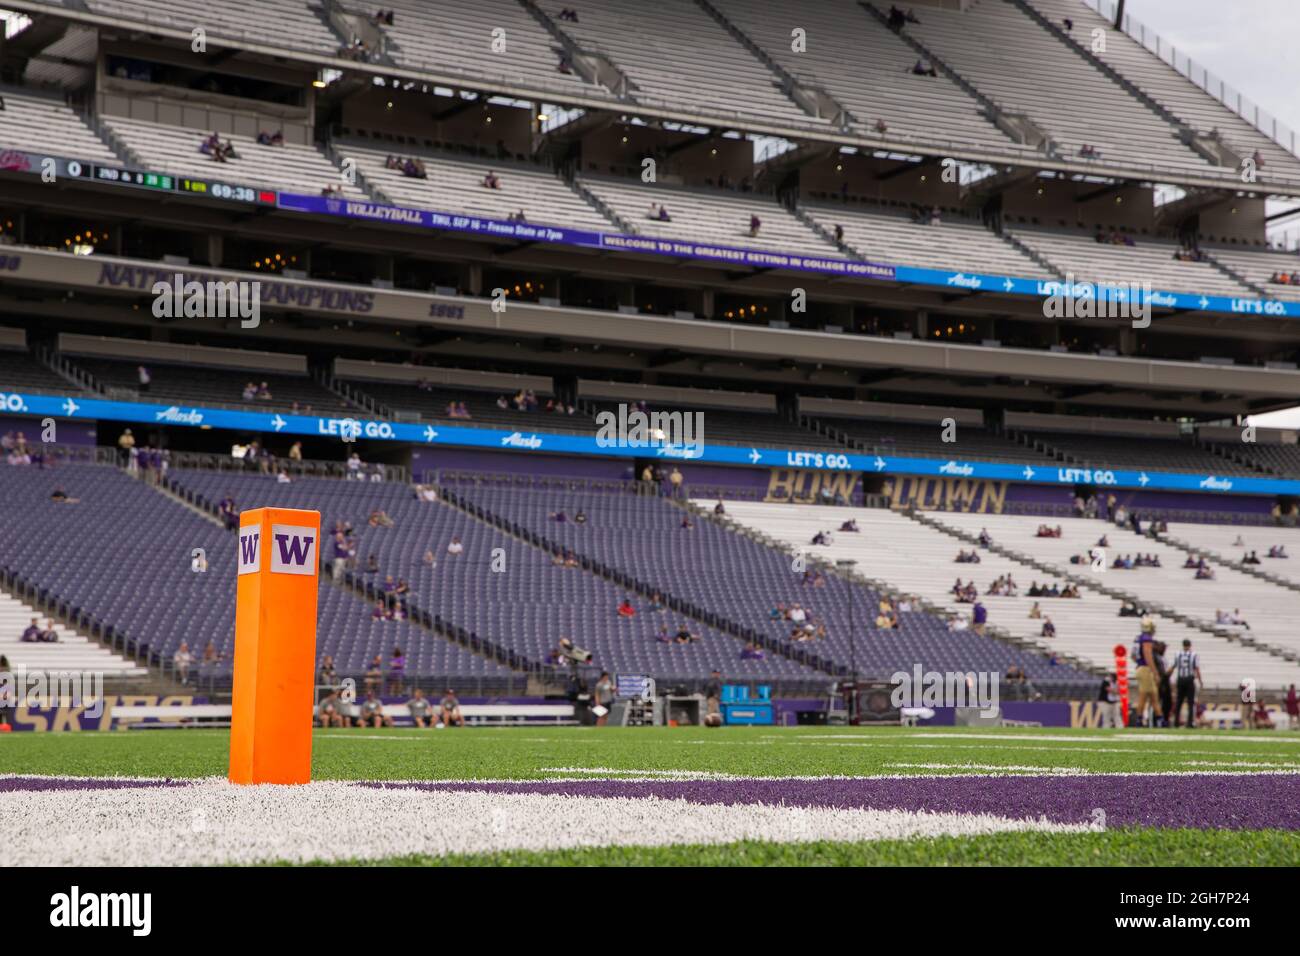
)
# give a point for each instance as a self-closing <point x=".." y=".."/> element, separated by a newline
<point x="396" y="671"/>
<point x="60" y="497"/>
<point x="181" y="661"/>
<point x="1252" y="558"/>
<point x="270" y="139"/>
<point x="32" y="633"/>
<point x="896" y="18"/>
<point x="713" y="700"/>
<point x="330" y="712"/>
<point x="379" y="612"/>
<point x="979" y="617"/>
<point x="455" y="548"/>
<point x="565" y="65"/>
<point x="1068" y="24"/>
<point x="675" y="482"/>
<point x="603" y="697"/>
<point x="449" y="710"/>
<point x="372" y="563"/>
<point x="850" y="526"/>
<point x="985" y="539"/>
<point x="125" y="442"/>
<point x="625" y="609"/>
<point x="327" y="676"/>
<point x="418" y="707"/>
<point x="372" y="713"/>
<point x="936" y="218"/>
<point x="923" y="67"/>
<point x="839" y="235"/>
<point x="1035" y="612"/>
<point x="1204" y="573"/>
<point x="211" y="657"/>
<point x="228" y="512"/>
<point x="1049" y="629"/>
<point x="752" y="652"/>
<point x="374" y="676"/>
<point x="1292" y="704"/>
<point x="755" y="224"/>
<point x="491" y="180"/>
<point x="379" y="519"/>
<point x="414" y="168"/>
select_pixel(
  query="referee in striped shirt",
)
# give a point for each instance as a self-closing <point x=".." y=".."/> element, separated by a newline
<point x="1187" y="671"/>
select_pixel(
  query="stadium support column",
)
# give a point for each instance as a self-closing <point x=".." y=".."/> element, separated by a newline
<point x="471" y="278"/>
<point x="922" y="324"/>
<point x="214" y="252"/>
<point x="706" y="303"/>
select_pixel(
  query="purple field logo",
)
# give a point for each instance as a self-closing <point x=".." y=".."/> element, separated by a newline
<point x="293" y="550"/>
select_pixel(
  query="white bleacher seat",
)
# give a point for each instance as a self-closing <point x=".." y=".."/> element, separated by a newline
<point x="72" y="653"/>
<point x="42" y="124"/>
<point x="956" y="244"/>
<point x="455" y="184"/>
<point x="866" y="68"/>
<point x="1221" y="541"/>
<point x="708" y="216"/>
<point x="1015" y="62"/>
<point x="1171" y="89"/>
<point x="175" y="149"/>
<point x="1149" y="261"/>
<point x="456" y="36"/>
<point x="285" y="23"/>
<point x="1268" y="608"/>
<point x="675" y="53"/>
<point x="1259" y="267"/>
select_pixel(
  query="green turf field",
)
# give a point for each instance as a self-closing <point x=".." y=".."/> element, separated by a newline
<point x="534" y="753"/>
<point x="728" y="754"/>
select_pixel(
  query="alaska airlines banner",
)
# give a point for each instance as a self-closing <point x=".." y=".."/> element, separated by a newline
<point x="351" y="429"/>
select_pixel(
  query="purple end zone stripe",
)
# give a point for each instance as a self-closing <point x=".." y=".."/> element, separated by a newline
<point x="1230" y="802"/>
<point x="39" y="784"/>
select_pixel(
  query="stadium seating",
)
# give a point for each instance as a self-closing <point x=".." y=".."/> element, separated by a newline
<point x="1153" y="454"/>
<point x="431" y="405"/>
<point x="707" y="216"/>
<point x="1221" y="541"/>
<point x="674" y="53"/>
<point x="124" y="531"/>
<point x="175" y="150"/>
<point x="906" y="554"/>
<point x="215" y="388"/>
<point x="1258" y="268"/>
<point x="526" y="606"/>
<point x="294" y="24"/>
<point x="955" y="245"/>
<point x="1149" y="261"/>
<point x="1277" y="459"/>
<point x="456" y="36"/>
<point x="1024" y="69"/>
<point x="742" y="580"/>
<point x="912" y="439"/>
<point x="867" y="70"/>
<point x="71" y="654"/>
<point x="43" y="124"/>
<point x="1171" y="89"/>
<point x="456" y="185"/>
<point x="1268" y="608"/>
<point x="21" y="372"/>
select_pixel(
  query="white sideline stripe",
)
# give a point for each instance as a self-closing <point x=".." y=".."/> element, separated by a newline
<point x="218" y="822"/>
<point x="1027" y="768"/>
<point x="1171" y="737"/>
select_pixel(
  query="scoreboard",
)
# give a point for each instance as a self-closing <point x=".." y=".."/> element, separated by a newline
<point x="220" y="189"/>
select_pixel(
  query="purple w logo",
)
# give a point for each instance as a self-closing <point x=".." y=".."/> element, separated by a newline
<point x="248" y="548"/>
<point x="294" y="551"/>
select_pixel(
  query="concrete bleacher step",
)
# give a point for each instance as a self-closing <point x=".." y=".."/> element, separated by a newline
<point x="73" y="652"/>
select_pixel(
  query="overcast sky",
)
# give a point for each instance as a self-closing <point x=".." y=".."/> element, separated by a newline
<point x="1254" y="46"/>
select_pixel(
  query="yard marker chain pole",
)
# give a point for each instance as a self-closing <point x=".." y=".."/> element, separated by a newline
<point x="275" y="646"/>
<point x="1121" y="681"/>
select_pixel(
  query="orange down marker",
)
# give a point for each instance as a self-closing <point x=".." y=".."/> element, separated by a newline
<point x="275" y="646"/>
